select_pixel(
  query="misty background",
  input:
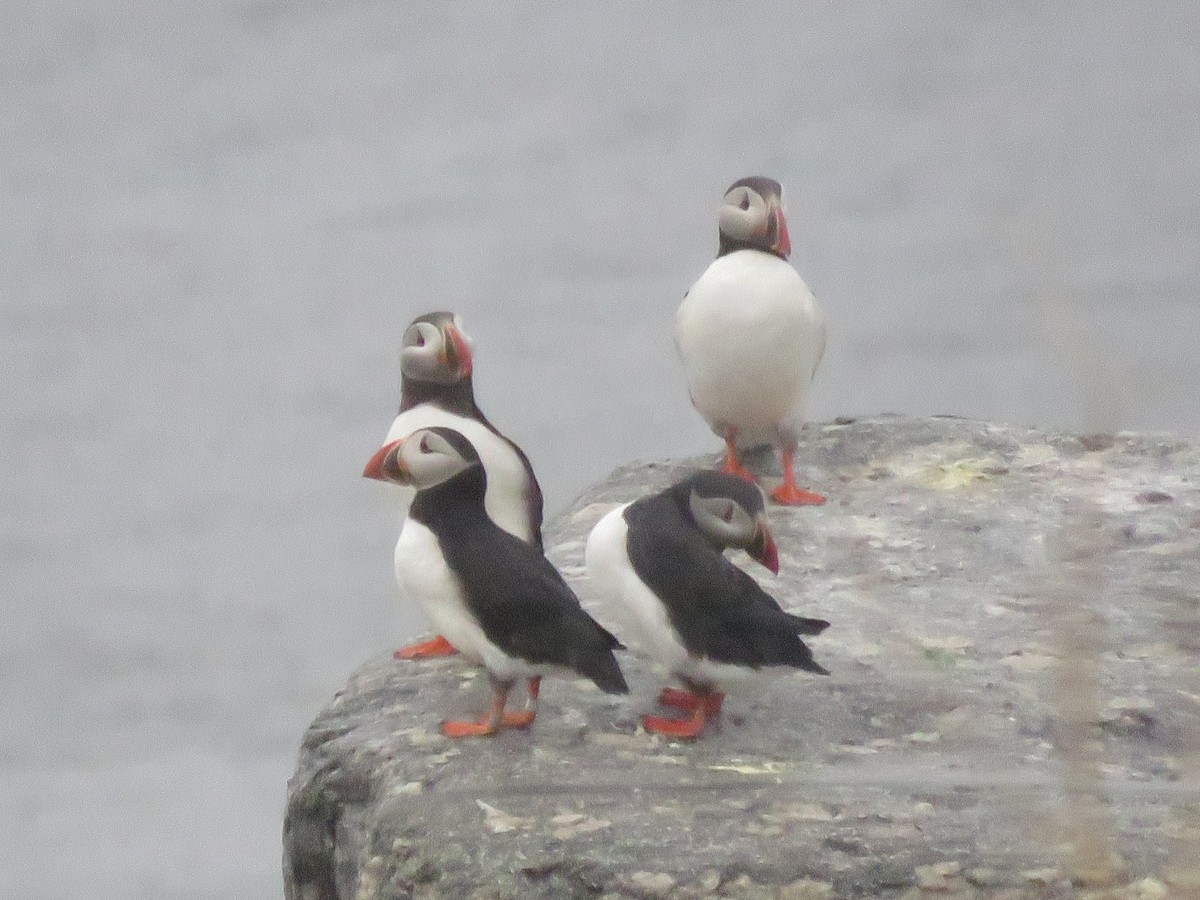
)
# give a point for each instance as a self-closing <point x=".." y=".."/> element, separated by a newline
<point x="216" y="219"/>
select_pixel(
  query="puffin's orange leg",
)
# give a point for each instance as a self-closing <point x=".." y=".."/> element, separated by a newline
<point x="439" y="646"/>
<point x="733" y="465"/>
<point x="790" y="495"/>
<point x="525" y="718"/>
<point x="492" y="721"/>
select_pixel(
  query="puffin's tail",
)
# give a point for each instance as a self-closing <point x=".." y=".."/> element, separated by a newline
<point x="808" y="626"/>
<point x="776" y="642"/>
<point x="808" y="664"/>
<point x="602" y="668"/>
<point x="802" y="655"/>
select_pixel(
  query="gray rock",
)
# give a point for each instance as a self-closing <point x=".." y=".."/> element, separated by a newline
<point x="946" y="558"/>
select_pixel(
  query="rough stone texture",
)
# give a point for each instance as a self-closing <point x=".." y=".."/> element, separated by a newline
<point x="947" y="559"/>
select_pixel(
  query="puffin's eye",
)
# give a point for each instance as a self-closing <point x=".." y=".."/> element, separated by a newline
<point x="417" y="335"/>
<point x="727" y="513"/>
<point x="744" y="203"/>
<point x="424" y="446"/>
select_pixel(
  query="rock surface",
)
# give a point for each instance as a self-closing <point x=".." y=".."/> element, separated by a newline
<point x="960" y="563"/>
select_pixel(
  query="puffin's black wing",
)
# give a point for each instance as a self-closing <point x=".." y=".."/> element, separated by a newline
<point x="526" y="608"/>
<point x="718" y="610"/>
<point x="753" y="630"/>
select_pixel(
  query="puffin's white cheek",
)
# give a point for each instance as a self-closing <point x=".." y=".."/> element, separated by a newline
<point x="409" y="456"/>
<point x="728" y="534"/>
<point x="741" y="224"/>
<point x="420" y="362"/>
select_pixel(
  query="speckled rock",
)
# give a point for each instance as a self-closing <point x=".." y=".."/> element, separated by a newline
<point x="950" y="559"/>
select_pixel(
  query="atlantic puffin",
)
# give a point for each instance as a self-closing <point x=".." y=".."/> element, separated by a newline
<point x="750" y="334"/>
<point x="492" y="595"/>
<point x="658" y="566"/>
<point x="436" y="388"/>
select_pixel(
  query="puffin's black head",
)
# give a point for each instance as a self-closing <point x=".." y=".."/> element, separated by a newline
<point x="424" y="459"/>
<point x="436" y="349"/>
<point x="730" y="512"/>
<point x="752" y="216"/>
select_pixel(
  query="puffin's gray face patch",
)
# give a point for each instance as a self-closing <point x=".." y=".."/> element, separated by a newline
<point x="744" y="215"/>
<point x="423" y="354"/>
<point x="724" y="520"/>
<point x="431" y="459"/>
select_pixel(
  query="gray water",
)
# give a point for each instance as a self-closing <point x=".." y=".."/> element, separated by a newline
<point x="216" y="218"/>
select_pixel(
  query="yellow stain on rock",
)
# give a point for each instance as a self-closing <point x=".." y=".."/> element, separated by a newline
<point x="955" y="475"/>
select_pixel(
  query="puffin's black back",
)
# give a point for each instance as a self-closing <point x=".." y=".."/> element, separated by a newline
<point x="719" y="612"/>
<point x="515" y="594"/>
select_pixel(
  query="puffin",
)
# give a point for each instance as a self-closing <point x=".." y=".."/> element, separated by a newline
<point x="657" y="564"/>
<point x="436" y="388"/>
<point x="493" y="595"/>
<point x="750" y="335"/>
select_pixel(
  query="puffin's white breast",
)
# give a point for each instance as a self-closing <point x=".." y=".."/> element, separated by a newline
<point x="750" y="335"/>
<point x="424" y="576"/>
<point x="641" y="616"/>
<point x="507" y="477"/>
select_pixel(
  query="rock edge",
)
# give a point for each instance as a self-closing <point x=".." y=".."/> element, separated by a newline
<point x="947" y="558"/>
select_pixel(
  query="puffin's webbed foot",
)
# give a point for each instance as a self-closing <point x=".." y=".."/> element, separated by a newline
<point x="676" y="728"/>
<point x="788" y="493"/>
<point x="525" y="718"/>
<point x="485" y="727"/>
<point x="794" y="496"/>
<point x="492" y="721"/>
<point x="439" y="646"/>
<point x="702" y="707"/>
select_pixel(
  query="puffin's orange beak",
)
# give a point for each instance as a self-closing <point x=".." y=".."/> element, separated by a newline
<point x="783" y="243"/>
<point x="456" y="351"/>
<point x="385" y="465"/>
<point x="762" y="548"/>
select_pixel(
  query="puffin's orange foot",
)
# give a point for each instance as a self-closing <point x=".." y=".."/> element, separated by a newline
<point x="521" y="719"/>
<point x="689" y="702"/>
<point x="677" y="728"/>
<point x="439" y="646"/>
<point x="482" y="728"/>
<point x="790" y="495"/>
